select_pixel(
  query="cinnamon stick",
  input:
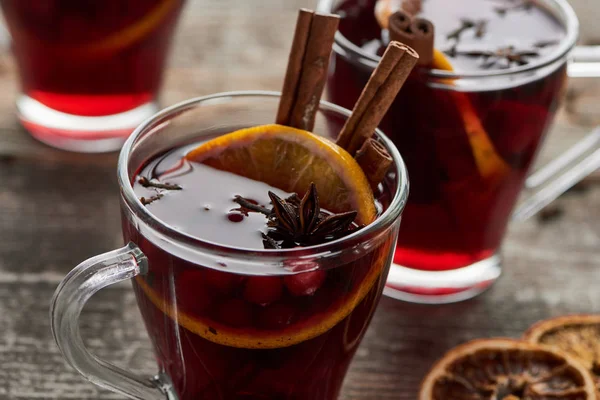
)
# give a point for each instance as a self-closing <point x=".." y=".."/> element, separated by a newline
<point x="377" y="96"/>
<point x="294" y="67"/>
<point x="307" y="69"/>
<point x="375" y="161"/>
<point x="418" y="33"/>
<point x="399" y="21"/>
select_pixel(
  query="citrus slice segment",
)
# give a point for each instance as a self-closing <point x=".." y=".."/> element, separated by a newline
<point x="254" y="338"/>
<point x="136" y="31"/>
<point x="488" y="161"/>
<point x="290" y="159"/>
<point x="507" y="369"/>
<point x="577" y="335"/>
<point x="384" y="10"/>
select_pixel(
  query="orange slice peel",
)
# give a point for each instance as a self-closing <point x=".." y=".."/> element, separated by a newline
<point x="489" y="163"/>
<point x="253" y="338"/>
<point x="134" y="32"/>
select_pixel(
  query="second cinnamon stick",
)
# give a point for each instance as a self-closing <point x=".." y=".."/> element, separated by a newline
<point x="375" y="162"/>
<point x="377" y="96"/>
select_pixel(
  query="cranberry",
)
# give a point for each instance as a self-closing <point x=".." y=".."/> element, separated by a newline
<point x="263" y="289"/>
<point x="306" y="283"/>
<point x="191" y="293"/>
<point x="224" y="282"/>
<point x="235" y="312"/>
<point x="235" y="217"/>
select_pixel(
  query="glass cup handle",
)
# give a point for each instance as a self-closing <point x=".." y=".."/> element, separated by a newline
<point x="555" y="178"/>
<point x="585" y="62"/>
<point x="68" y="301"/>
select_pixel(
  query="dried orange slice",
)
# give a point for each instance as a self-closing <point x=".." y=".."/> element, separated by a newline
<point x="290" y="159"/>
<point x="507" y="369"/>
<point x="577" y="335"/>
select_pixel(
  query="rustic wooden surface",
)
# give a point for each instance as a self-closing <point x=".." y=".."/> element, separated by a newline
<point x="58" y="208"/>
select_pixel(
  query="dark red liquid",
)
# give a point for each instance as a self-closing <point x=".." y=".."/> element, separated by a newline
<point x="456" y="215"/>
<point x="91" y="57"/>
<point x="219" y="333"/>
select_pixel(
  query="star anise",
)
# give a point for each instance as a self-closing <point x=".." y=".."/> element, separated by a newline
<point x="493" y="58"/>
<point x="299" y="222"/>
<point x="514" y="5"/>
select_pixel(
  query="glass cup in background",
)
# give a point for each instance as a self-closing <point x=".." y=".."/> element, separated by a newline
<point x="464" y="188"/>
<point x="90" y="71"/>
<point x="177" y="278"/>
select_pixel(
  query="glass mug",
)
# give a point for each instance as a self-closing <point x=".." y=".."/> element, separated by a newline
<point x="461" y="201"/>
<point x="175" y="275"/>
<point x="90" y="71"/>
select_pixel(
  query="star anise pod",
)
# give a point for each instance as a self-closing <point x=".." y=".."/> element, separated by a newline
<point x="508" y="55"/>
<point x="299" y="222"/>
<point x="514" y="5"/>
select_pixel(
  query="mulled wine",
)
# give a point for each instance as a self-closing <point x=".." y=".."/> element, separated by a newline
<point x="468" y="144"/>
<point x="221" y="333"/>
<point x="89" y="58"/>
<point x="258" y="250"/>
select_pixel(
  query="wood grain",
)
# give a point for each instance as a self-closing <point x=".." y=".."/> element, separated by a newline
<point x="58" y="208"/>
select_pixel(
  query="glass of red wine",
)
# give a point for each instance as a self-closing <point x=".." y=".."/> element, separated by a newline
<point x="90" y="71"/>
<point x="228" y="322"/>
<point x="469" y="135"/>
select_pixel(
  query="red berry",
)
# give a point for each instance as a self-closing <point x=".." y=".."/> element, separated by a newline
<point x="276" y="316"/>
<point x="191" y="293"/>
<point x="235" y="312"/>
<point x="263" y="289"/>
<point x="306" y="283"/>
<point x="224" y="282"/>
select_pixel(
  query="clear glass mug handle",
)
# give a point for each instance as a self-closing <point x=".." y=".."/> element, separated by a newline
<point x="555" y="178"/>
<point x="68" y="301"/>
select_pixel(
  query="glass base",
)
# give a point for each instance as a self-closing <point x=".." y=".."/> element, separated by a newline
<point x="80" y="133"/>
<point x="441" y="287"/>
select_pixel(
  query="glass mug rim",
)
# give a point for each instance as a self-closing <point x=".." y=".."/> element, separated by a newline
<point x="333" y="248"/>
<point x="353" y="53"/>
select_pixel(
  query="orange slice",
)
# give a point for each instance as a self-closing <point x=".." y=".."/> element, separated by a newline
<point x="384" y="10"/>
<point x="507" y="369"/>
<point x="137" y="31"/>
<point x="489" y="163"/>
<point x="577" y="335"/>
<point x="253" y="338"/>
<point x="134" y="32"/>
<point x="290" y="159"/>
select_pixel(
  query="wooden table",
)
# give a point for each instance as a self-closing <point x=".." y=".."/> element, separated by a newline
<point x="59" y="208"/>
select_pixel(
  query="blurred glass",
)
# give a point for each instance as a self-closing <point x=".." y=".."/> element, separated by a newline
<point x="90" y="71"/>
